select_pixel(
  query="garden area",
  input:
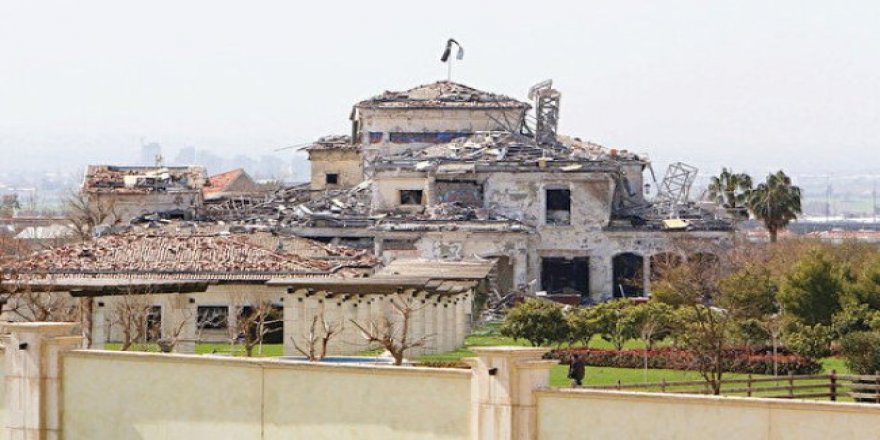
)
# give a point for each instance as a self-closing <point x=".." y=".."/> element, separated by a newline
<point x="796" y="309"/>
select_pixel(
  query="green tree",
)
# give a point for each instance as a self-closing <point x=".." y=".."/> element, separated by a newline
<point x="706" y="333"/>
<point x="652" y="321"/>
<point x="537" y="321"/>
<point x="612" y="322"/>
<point x="866" y="287"/>
<point x="581" y="325"/>
<point x="749" y="292"/>
<point x="731" y="191"/>
<point x="853" y="318"/>
<point x="776" y="202"/>
<point x="811" y="291"/>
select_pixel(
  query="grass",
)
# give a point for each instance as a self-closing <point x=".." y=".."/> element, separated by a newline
<point x="267" y="350"/>
<point x="488" y="336"/>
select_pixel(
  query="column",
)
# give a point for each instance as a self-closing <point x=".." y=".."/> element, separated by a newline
<point x="181" y="309"/>
<point x="99" y="324"/>
<point x="430" y="325"/>
<point x="646" y="275"/>
<point x="503" y="405"/>
<point x="440" y="327"/>
<point x="33" y="377"/>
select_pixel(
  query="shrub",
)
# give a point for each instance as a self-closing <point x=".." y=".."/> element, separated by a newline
<point x="812" y="341"/>
<point x="539" y="322"/>
<point x="861" y="351"/>
<point x="734" y="361"/>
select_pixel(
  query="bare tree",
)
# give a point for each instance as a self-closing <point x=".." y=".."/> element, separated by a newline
<point x="318" y="337"/>
<point x="130" y="314"/>
<point x="394" y="335"/>
<point x="255" y="318"/>
<point x="85" y="213"/>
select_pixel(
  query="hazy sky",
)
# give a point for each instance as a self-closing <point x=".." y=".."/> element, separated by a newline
<point x="754" y="84"/>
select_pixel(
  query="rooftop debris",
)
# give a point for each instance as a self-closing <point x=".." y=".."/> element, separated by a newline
<point x="442" y="94"/>
<point x="505" y="146"/>
<point x="332" y="142"/>
<point x="163" y="252"/>
<point x="105" y="178"/>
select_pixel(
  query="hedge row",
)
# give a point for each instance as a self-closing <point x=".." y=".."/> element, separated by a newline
<point x="735" y="361"/>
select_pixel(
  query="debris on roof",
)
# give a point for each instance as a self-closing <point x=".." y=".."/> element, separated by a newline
<point x="332" y="142"/>
<point x="505" y="146"/>
<point x="442" y="94"/>
<point x="209" y="256"/>
<point x="106" y="178"/>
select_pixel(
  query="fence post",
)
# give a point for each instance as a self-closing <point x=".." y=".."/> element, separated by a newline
<point x="791" y="385"/>
<point x="877" y="387"/>
<point x="33" y="377"/>
<point x="663" y="385"/>
<point x="833" y="378"/>
<point x="749" y="386"/>
<point x="618" y="385"/>
<point x="503" y="381"/>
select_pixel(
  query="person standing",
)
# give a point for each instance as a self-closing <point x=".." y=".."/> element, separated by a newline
<point x="576" y="370"/>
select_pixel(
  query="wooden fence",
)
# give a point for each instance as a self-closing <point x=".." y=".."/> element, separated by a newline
<point x="861" y="388"/>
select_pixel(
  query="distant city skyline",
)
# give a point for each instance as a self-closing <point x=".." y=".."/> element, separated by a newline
<point x="750" y="85"/>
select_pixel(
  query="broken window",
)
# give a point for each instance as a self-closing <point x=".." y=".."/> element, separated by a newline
<point x="462" y="192"/>
<point x="410" y="197"/>
<point x="331" y="178"/>
<point x="628" y="269"/>
<point x="558" y="207"/>
<point x="212" y="317"/>
<point x="430" y="137"/>
<point x="565" y="275"/>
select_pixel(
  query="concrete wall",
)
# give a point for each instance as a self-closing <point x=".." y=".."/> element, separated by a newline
<point x="346" y="163"/>
<point x="111" y="395"/>
<point x="585" y="415"/>
<point x="426" y="120"/>
<point x="128" y="206"/>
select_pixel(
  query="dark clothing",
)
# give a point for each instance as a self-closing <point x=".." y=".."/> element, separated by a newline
<point x="576" y="371"/>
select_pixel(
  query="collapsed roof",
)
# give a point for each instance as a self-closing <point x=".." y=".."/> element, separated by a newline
<point x="332" y="142"/>
<point x="505" y="146"/>
<point x="442" y="94"/>
<point x="116" y="179"/>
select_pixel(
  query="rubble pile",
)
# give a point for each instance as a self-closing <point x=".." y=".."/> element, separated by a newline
<point x="505" y="146"/>
<point x="442" y="94"/>
<point x="103" y="178"/>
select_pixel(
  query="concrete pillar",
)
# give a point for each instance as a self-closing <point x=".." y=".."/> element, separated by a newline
<point x="99" y="324"/>
<point x="503" y="405"/>
<point x="431" y="325"/>
<point x="646" y="275"/>
<point x="601" y="277"/>
<point x="180" y="310"/>
<point x="440" y="326"/>
<point x="417" y="323"/>
<point x="33" y="378"/>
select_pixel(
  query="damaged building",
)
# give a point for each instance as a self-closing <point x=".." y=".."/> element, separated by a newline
<point x="126" y="192"/>
<point x="196" y="280"/>
<point x="451" y="173"/>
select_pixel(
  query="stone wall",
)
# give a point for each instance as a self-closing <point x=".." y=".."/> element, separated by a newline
<point x="151" y="396"/>
<point x="587" y="415"/>
<point x="345" y="163"/>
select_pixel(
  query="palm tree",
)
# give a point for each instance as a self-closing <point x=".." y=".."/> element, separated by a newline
<point x="731" y="190"/>
<point x="775" y="202"/>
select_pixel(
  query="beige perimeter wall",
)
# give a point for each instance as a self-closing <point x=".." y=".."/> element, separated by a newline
<point x="113" y="395"/>
<point x="583" y="414"/>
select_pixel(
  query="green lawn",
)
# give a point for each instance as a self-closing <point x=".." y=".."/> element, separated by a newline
<point x="488" y="337"/>
<point x="207" y="348"/>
